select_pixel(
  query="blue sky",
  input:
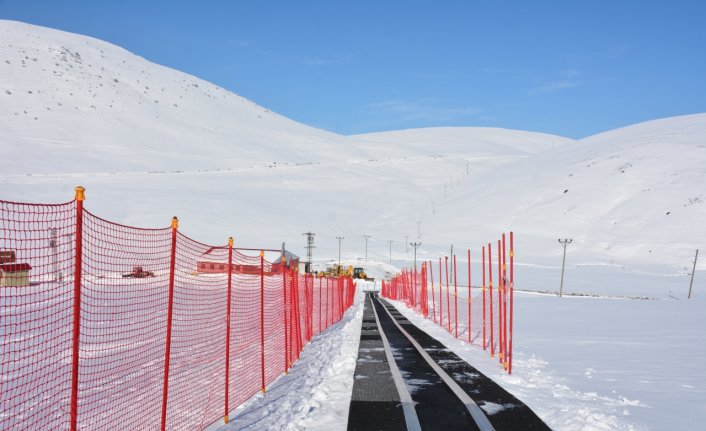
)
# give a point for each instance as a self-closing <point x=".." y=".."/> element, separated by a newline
<point x="572" y="68"/>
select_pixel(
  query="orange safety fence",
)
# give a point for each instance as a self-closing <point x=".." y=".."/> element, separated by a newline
<point x="481" y="314"/>
<point x="104" y="324"/>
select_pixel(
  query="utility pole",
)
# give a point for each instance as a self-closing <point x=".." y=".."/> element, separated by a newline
<point x="406" y="245"/>
<point x="451" y="256"/>
<point x="419" y="231"/>
<point x="390" y="241"/>
<point x="693" y="270"/>
<point x="339" y="238"/>
<point x="564" y="243"/>
<point x="309" y="246"/>
<point x="366" y="247"/>
<point x="415" y="245"/>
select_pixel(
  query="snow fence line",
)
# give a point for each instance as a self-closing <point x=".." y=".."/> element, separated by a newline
<point x="479" y="320"/>
<point x="102" y="320"/>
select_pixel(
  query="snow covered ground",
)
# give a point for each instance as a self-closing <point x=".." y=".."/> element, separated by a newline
<point x="149" y="143"/>
<point x="581" y="363"/>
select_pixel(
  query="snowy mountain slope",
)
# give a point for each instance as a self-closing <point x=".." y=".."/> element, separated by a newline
<point x="150" y="142"/>
<point x="634" y="196"/>
<point x="62" y="90"/>
<point x="457" y="141"/>
<point x="77" y="110"/>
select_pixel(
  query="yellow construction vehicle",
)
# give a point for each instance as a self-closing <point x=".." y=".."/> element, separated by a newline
<point x="336" y="270"/>
<point x="359" y="273"/>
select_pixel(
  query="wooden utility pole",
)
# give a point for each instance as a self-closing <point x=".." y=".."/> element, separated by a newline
<point x="564" y="243"/>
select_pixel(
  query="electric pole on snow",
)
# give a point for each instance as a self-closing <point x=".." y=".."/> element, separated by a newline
<point x="451" y="256"/>
<point x="309" y="246"/>
<point x="366" y="247"/>
<point x="693" y="270"/>
<point x="339" y="238"/>
<point x="564" y="243"/>
<point x="415" y="245"/>
<point x="390" y="241"/>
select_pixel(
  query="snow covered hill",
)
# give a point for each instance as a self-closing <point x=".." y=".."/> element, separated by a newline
<point x="633" y="196"/>
<point x="149" y="142"/>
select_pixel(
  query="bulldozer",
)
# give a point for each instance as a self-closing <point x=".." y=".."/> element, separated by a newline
<point x="138" y="272"/>
<point x="359" y="273"/>
<point x="336" y="270"/>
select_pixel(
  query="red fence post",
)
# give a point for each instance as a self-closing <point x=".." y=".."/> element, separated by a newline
<point x="170" y="309"/>
<point x="512" y="293"/>
<point x="79" y="197"/>
<point x="284" y="312"/>
<point x="490" y="295"/>
<point x="297" y="316"/>
<point x="448" y="294"/>
<point x="262" y="318"/>
<point x="441" y="299"/>
<point x="505" y="295"/>
<point x="485" y="345"/>
<point x="501" y="346"/>
<point x="455" y="298"/>
<point x="332" y="303"/>
<point x="433" y="304"/>
<point x="228" y="305"/>
<point x="320" y="308"/>
<point x="469" y="295"/>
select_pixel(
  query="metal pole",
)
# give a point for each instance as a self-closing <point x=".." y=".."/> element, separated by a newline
<point x="78" y="258"/>
<point x="415" y="245"/>
<point x="452" y="253"/>
<point x="406" y="244"/>
<point x="339" y="238"/>
<point x="228" y="312"/>
<point x="419" y="231"/>
<point x="691" y="284"/>
<point x="170" y="314"/>
<point x="564" y="243"/>
<point x="366" y="246"/>
<point x="390" y="241"/>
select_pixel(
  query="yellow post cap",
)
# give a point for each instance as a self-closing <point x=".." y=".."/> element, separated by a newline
<point x="175" y="222"/>
<point x="230" y="242"/>
<point x="262" y="253"/>
<point x="80" y="193"/>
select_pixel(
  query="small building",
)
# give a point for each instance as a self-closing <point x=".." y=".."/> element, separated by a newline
<point x="291" y="261"/>
<point x="14" y="274"/>
<point x="7" y="256"/>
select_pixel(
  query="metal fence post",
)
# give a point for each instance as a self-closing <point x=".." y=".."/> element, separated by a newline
<point x="228" y="309"/>
<point x="170" y="309"/>
<point x="80" y="196"/>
